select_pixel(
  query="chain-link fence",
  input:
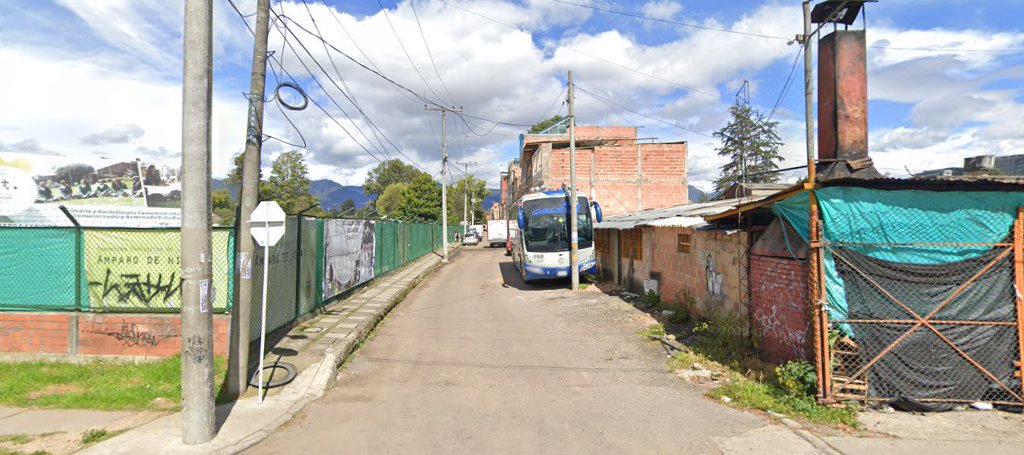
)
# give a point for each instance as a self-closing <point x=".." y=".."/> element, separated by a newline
<point x="927" y="316"/>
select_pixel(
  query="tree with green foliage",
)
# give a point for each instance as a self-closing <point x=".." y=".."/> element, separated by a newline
<point x="347" y="209"/>
<point x="223" y="206"/>
<point x="420" y="201"/>
<point x="751" y="143"/>
<point x="456" y="191"/>
<point x="388" y="173"/>
<point x="289" y="185"/>
<point x="389" y="201"/>
<point x="545" y="124"/>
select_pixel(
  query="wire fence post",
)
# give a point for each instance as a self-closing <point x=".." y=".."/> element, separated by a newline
<point x="1018" y="280"/>
<point x="79" y="270"/>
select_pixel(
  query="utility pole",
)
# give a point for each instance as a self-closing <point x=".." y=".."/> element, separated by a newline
<point x="444" y="184"/>
<point x="808" y="92"/>
<point x="196" y="288"/>
<point x="238" y="357"/>
<point x="465" y="194"/>
<point x="574" y="257"/>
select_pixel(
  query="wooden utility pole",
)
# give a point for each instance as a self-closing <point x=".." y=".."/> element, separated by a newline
<point x="196" y="286"/>
<point x="574" y="257"/>
<point x="238" y="357"/>
<point x="444" y="184"/>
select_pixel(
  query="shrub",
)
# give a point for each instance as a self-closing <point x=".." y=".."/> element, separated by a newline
<point x="797" y="378"/>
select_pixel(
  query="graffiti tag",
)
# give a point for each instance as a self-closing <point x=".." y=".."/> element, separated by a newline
<point x="196" y="348"/>
<point x="772" y="327"/>
<point x="146" y="289"/>
<point x="133" y="335"/>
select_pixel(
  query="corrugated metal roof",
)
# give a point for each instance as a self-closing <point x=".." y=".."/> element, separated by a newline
<point x="678" y="216"/>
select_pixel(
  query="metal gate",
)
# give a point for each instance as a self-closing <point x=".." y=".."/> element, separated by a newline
<point x="925" y="332"/>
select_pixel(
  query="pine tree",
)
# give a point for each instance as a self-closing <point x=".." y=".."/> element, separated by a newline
<point x="751" y="143"/>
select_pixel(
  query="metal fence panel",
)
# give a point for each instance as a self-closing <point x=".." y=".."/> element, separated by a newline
<point x="309" y="241"/>
<point x="281" y="303"/>
<point x="40" y="269"/>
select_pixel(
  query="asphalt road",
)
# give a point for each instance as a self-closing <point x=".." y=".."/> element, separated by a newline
<point x="475" y="362"/>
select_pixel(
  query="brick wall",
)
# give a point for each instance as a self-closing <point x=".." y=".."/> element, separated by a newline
<point x="712" y="273"/>
<point x="618" y="185"/>
<point x="779" y="307"/>
<point x="148" y="335"/>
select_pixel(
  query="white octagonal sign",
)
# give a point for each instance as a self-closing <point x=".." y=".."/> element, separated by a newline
<point x="267" y="223"/>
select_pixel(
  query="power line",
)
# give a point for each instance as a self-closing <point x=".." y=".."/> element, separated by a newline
<point x="365" y="116"/>
<point x="786" y="85"/>
<point x="634" y="70"/>
<point x="419" y="25"/>
<point x="402" y="45"/>
<point x="669" y="21"/>
<point x="280" y="65"/>
<point x="613" y="105"/>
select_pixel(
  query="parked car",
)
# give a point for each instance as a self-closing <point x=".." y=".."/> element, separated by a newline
<point x="472" y="237"/>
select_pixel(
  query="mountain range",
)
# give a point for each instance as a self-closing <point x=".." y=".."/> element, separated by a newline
<point x="332" y="194"/>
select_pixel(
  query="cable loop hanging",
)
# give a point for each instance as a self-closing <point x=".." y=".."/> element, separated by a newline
<point x="297" y="88"/>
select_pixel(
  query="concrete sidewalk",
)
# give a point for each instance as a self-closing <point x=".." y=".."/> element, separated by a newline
<point x="317" y="347"/>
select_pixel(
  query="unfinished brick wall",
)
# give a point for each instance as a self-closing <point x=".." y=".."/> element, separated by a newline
<point x="628" y="177"/>
<point x="711" y="274"/>
<point x="779" y="312"/>
<point x="131" y="335"/>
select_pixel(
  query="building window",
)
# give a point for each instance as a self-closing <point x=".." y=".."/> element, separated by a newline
<point x="683" y="243"/>
<point x="631" y="246"/>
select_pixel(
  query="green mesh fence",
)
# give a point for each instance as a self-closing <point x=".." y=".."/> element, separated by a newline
<point x="40" y="269"/>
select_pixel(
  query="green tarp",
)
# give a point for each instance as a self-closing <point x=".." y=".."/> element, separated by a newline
<point x="858" y="216"/>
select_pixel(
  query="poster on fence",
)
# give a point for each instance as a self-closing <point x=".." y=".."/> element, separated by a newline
<point x="141" y="270"/>
<point x="348" y="255"/>
<point x="46" y="182"/>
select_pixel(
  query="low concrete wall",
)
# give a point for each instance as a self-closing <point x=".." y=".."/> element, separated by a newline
<point x="100" y="334"/>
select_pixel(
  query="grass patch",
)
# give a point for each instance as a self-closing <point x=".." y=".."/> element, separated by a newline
<point x="584" y="285"/>
<point x="16" y="438"/>
<point x="98" y="434"/>
<point x="653" y="331"/>
<point x="97" y="385"/>
<point x="4" y="451"/>
<point x="769" y="397"/>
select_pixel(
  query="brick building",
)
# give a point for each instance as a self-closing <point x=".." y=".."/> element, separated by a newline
<point x="612" y="167"/>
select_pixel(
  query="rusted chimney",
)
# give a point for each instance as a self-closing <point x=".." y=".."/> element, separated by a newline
<point x="842" y="91"/>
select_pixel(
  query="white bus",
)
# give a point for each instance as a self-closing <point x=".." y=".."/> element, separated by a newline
<point x="541" y="242"/>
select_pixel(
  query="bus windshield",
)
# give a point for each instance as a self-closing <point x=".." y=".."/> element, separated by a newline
<point x="547" y="228"/>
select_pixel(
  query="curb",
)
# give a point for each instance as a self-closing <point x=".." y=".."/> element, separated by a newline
<point x="813" y="439"/>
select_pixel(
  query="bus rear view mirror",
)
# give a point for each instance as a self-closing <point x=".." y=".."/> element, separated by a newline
<point x="597" y="211"/>
<point x="522" y="218"/>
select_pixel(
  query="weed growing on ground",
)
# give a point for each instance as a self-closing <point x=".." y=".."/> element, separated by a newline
<point x="102" y="385"/>
<point x="765" y="396"/>
<point x="95" y="435"/>
<point x="649" y="300"/>
<point x="584" y="285"/>
<point x="797" y="378"/>
<point x="653" y="331"/>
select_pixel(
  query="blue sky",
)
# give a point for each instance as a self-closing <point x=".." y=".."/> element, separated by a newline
<point x="111" y="70"/>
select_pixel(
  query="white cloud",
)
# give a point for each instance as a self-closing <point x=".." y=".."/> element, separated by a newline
<point x="661" y="9"/>
<point x="117" y="134"/>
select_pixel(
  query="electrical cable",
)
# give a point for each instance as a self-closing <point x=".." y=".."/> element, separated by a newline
<point x="402" y="45"/>
<point x="620" y="106"/>
<point x="786" y="85"/>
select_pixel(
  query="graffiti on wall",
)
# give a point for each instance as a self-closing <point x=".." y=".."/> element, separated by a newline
<point x="142" y="269"/>
<point x="713" y="278"/>
<point x="773" y="328"/>
<point x="132" y="334"/>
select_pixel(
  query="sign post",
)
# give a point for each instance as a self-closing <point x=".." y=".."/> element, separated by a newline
<point x="267" y="227"/>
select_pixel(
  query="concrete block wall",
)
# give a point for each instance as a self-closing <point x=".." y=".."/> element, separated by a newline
<point x="713" y="273"/>
<point x="100" y="334"/>
<point x="779" y="313"/>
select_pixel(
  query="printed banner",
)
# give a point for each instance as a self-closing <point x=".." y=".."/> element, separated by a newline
<point x="142" y="270"/>
<point x="36" y="185"/>
<point x="348" y="255"/>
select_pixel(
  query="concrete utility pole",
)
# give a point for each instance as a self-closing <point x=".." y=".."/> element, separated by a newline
<point x="196" y="287"/>
<point x="238" y="357"/>
<point x="574" y="257"/>
<point x="808" y="92"/>
<point x="465" y="195"/>
<point x="444" y="184"/>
